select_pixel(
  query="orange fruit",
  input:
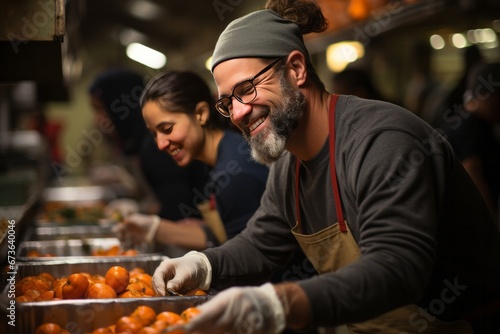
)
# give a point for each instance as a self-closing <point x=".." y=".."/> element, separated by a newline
<point x="141" y="287"/>
<point x="127" y="325"/>
<point x="131" y="294"/>
<point x="196" y="292"/>
<point x="33" y="253"/>
<point x="146" y="278"/>
<point x="23" y="299"/>
<point x="47" y="276"/>
<point x="49" y="328"/>
<point x="189" y="313"/>
<point x="130" y="252"/>
<point x="59" y="281"/>
<point x="117" y="277"/>
<point x="144" y="314"/>
<point x="32" y="294"/>
<point x="170" y="318"/>
<point x="114" y="250"/>
<point x="33" y="283"/>
<point x="100" y="291"/>
<point x="75" y="287"/>
<point x="45" y="296"/>
<point x="149" y="330"/>
<point x="104" y="330"/>
<point x="159" y="325"/>
<point x="98" y="278"/>
<point x="137" y="270"/>
<point x="58" y="292"/>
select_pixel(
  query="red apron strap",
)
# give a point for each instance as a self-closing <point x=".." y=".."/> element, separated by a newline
<point x="333" y="174"/>
<point x="333" y="166"/>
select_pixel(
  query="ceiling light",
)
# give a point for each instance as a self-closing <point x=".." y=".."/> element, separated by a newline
<point x="146" y="56"/>
<point x="437" y="42"/>
<point x="339" y="55"/>
<point x="459" y="41"/>
<point x="208" y="63"/>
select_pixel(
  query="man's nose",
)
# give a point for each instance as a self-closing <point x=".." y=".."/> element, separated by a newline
<point x="240" y="110"/>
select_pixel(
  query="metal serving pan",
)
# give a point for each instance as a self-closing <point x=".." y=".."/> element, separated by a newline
<point x="93" y="265"/>
<point x="69" y="232"/>
<point x="62" y="249"/>
<point x="85" y="315"/>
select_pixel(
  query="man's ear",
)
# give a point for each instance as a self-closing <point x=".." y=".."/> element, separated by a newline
<point x="202" y="112"/>
<point x="297" y="63"/>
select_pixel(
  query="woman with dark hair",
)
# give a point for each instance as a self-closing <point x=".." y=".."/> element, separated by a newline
<point x="178" y="108"/>
<point x="115" y="96"/>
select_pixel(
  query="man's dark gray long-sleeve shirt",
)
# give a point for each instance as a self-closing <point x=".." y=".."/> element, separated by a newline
<point x="425" y="234"/>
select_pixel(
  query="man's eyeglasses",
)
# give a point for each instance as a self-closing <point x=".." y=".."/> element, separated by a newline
<point x="244" y="92"/>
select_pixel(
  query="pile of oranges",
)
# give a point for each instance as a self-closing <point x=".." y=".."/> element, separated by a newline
<point x="143" y="320"/>
<point x="117" y="282"/>
<point x="35" y="253"/>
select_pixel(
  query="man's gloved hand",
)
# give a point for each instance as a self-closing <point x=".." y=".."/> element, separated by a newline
<point x="138" y="228"/>
<point x="256" y="310"/>
<point x="189" y="272"/>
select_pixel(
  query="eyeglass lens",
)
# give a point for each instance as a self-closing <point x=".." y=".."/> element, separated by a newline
<point x="244" y="92"/>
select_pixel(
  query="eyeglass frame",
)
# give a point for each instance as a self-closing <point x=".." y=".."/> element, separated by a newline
<point x="229" y="98"/>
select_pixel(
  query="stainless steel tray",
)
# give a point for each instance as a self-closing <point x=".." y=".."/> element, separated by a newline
<point x="83" y="316"/>
<point x="69" y="232"/>
<point x="61" y="250"/>
<point x="94" y="265"/>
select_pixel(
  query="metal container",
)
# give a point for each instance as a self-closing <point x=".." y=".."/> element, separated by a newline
<point x="85" y="315"/>
<point x="94" y="265"/>
<point x="61" y="250"/>
<point x="69" y="232"/>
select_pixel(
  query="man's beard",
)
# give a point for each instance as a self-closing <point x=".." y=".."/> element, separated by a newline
<point x="268" y="146"/>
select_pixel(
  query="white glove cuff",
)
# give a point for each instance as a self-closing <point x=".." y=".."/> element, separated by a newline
<point x="208" y="269"/>
<point x="154" y="227"/>
<point x="276" y="307"/>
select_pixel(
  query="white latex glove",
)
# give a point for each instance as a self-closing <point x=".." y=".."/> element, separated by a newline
<point x="122" y="206"/>
<point x="138" y="227"/>
<point x="256" y="310"/>
<point x="189" y="272"/>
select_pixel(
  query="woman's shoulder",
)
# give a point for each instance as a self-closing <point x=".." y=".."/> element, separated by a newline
<point x="234" y="149"/>
<point x="233" y="146"/>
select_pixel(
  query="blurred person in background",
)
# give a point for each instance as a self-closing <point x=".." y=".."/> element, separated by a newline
<point x="154" y="178"/>
<point x="399" y="233"/>
<point x="357" y="82"/>
<point x="475" y="134"/>
<point x="424" y="92"/>
<point x="453" y="100"/>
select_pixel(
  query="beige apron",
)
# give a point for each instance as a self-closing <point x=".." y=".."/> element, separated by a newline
<point x="335" y="247"/>
<point x="212" y="219"/>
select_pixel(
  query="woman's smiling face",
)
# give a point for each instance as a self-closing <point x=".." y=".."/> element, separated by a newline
<point x="176" y="133"/>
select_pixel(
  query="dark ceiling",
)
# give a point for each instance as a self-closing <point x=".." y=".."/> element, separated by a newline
<point x="185" y="31"/>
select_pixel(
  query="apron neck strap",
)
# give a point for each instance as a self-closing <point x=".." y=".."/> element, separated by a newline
<point x="333" y="174"/>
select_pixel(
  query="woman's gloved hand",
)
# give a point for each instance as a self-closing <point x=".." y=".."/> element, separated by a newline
<point x="121" y="208"/>
<point x="137" y="228"/>
<point x="189" y="272"/>
<point x="255" y="310"/>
